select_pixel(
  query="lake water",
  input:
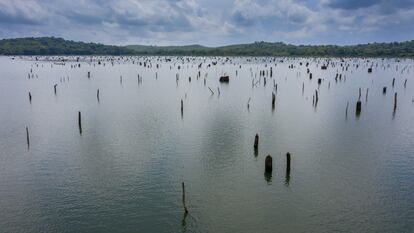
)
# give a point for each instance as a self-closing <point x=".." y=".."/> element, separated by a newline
<point x="123" y="173"/>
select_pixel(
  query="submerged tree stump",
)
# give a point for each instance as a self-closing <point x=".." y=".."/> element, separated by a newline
<point x="224" y="79"/>
<point x="268" y="163"/>
<point x="358" y="108"/>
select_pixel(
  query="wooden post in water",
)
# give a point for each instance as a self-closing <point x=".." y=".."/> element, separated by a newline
<point x="358" y="108"/>
<point x="273" y="100"/>
<point x="268" y="163"/>
<point x="248" y="103"/>
<point x="384" y="90"/>
<point x="80" y="122"/>
<point x="27" y="136"/>
<point x="287" y="163"/>
<point x="303" y="87"/>
<point x="97" y="94"/>
<point x="395" y="101"/>
<point x="346" y="110"/>
<point x="366" y="95"/>
<point x="54" y="87"/>
<point x="256" y="142"/>
<point x="182" y="107"/>
<point x="185" y="207"/>
<point x="30" y="97"/>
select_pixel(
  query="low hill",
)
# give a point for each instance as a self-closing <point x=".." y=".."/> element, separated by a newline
<point x="59" y="46"/>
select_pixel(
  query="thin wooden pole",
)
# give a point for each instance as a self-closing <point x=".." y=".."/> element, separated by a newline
<point x="395" y="101"/>
<point x="185" y="207"/>
<point x="80" y="122"/>
<point x="27" y="136"/>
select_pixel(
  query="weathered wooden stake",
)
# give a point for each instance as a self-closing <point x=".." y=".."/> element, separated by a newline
<point x="303" y="87"/>
<point x="80" y="122"/>
<point x="384" y="90"/>
<point x="27" y="136"/>
<point x="185" y="207"/>
<point x="54" y="87"/>
<point x="346" y="110"/>
<point x="268" y="163"/>
<point x="97" y="94"/>
<point x="358" y="107"/>
<point x="366" y="95"/>
<point x="30" y="97"/>
<point x="256" y="142"/>
<point x="287" y="163"/>
<point x="273" y="100"/>
<point x="248" y="103"/>
<point x="395" y="101"/>
<point x="182" y="106"/>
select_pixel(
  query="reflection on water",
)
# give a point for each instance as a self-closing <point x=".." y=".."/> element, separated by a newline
<point x="107" y="150"/>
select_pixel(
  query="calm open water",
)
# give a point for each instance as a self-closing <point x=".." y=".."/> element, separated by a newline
<point x="124" y="172"/>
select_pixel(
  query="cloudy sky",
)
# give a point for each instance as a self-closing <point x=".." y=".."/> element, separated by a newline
<point x="210" y="22"/>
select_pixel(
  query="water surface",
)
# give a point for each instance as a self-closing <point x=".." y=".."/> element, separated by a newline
<point x="124" y="172"/>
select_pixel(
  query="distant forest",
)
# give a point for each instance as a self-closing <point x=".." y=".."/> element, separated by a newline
<point x="59" y="46"/>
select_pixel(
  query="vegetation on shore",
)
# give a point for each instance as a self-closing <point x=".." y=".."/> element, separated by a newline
<point x="59" y="46"/>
